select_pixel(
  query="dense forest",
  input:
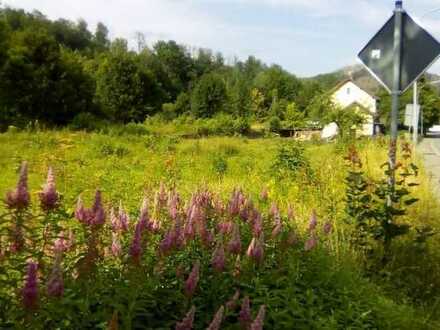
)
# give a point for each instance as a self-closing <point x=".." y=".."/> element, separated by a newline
<point x="61" y="73"/>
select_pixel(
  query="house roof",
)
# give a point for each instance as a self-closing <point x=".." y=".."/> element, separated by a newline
<point x="345" y="81"/>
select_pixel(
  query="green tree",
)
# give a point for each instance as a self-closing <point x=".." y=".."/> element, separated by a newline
<point x="101" y="37"/>
<point x="293" y="117"/>
<point x="348" y="119"/>
<point x="39" y="81"/>
<point x="173" y="67"/>
<point x="277" y="82"/>
<point x="209" y="96"/>
<point x="126" y="90"/>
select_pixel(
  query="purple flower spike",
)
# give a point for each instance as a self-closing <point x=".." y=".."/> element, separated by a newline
<point x="313" y="221"/>
<point x="98" y="210"/>
<point x="116" y="245"/>
<point x="255" y="250"/>
<point x="136" y="244"/>
<point x="81" y="213"/>
<point x="55" y="284"/>
<point x="49" y="197"/>
<point x="245" y="316"/>
<point x="30" y="289"/>
<point x="20" y="198"/>
<point x="311" y="243"/>
<point x="60" y="244"/>
<point x="187" y="322"/>
<point x="328" y="227"/>
<point x="232" y="303"/>
<point x="193" y="280"/>
<point x="259" y="320"/>
<point x="234" y="245"/>
<point x="218" y="258"/>
<point x="217" y="321"/>
<point x="124" y="219"/>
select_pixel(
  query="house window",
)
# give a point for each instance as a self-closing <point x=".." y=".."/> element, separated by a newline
<point x="348" y="91"/>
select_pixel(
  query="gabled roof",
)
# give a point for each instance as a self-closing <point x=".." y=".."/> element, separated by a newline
<point x="345" y="81"/>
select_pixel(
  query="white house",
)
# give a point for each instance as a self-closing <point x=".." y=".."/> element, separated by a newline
<point x="348" y="95"/>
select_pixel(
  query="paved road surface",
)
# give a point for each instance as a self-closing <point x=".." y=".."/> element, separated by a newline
<point x="430" y="150"/>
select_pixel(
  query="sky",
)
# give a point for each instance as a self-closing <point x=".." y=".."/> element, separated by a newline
<point x="306" y="37"/>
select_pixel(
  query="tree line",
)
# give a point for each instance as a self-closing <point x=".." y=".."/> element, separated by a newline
<point x="54" y="71"/>
<point x="59" y="71"/>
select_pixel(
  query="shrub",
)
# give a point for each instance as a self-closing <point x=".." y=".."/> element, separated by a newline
<point x="274" y="124"/>
<point x="291" y="161"/>
<point x="88" y="122"/>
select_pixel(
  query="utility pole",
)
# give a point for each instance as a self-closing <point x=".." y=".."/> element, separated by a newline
<point x="396" y="91"/>
<point x="416" y="114"/>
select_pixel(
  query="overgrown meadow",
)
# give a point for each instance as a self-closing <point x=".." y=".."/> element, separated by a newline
<point x="141" y="231"/>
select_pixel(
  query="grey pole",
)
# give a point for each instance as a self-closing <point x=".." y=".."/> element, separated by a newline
<point x="395" y="93"/>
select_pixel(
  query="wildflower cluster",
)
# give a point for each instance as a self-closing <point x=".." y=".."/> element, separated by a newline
<point x="171" y="243"/>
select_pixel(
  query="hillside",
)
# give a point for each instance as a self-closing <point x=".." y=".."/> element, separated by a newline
<point x="360" y="75"/>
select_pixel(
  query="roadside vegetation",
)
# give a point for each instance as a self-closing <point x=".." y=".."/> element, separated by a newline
<point x="309" y="260"/>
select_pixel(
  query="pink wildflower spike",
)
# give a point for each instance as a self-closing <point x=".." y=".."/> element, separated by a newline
<point x="98" y="210"/>
<point x="264" y="195"/>
<point x="30" y="289"/>
<point x="81" y="213"/>
<point x="167" y="243"/>
<point x="276" y="230"/>
<point x="217" y="321"/>
<point x="136" y="244"/>
<point x="311" y="243"/>
<point x="55" y="284"/>
<point x="192" y="280"/>
<point x="20" y="198"/>
<point x="188" y="230"/>
<point x="259" y="320"/>
<point x="232" y="303"/>
<point x="114" y="221"/>
<point x="174" y="206"/>
<point x="313" y="221"/>
<point x="328" y="227"/>
<point x="225" y="227"/>
<point x="245" y="317"/>
<point x="49" y="196"/>
<point x="234" y="245"/>
<point x="218" y="259"/>
<point x="123" y="217"/>
<point x="144" y="217"/>
<point x="257" y="226"/>
<point x="274" y="211"/>
<point x="60" y="244"/>
<point x="188" y="321"/>
<point x="116" y="245"/>
<point x="255" y="250"/>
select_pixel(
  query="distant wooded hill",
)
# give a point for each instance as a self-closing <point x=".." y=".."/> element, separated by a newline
<point x="360" y="76"/>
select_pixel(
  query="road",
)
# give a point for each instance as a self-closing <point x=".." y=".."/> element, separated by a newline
<point x="429" y="148"/>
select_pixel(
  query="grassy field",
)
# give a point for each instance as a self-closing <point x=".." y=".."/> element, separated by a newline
<point x="129" y="167"/>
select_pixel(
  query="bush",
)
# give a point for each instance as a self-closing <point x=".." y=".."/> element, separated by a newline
<point x="88" y="122"/>
<point x="291" y="161"/>
<point x="133" y="129"/>
<point x="275" y="124"/>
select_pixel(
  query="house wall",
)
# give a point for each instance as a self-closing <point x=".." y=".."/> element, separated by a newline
<point x="350" y="93"/>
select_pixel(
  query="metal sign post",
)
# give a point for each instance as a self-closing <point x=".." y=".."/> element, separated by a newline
<point x="397" y="59"/>
<point x="397" y="56"/>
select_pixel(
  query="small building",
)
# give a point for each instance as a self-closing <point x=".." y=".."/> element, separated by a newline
<point x="348" y="95"/>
